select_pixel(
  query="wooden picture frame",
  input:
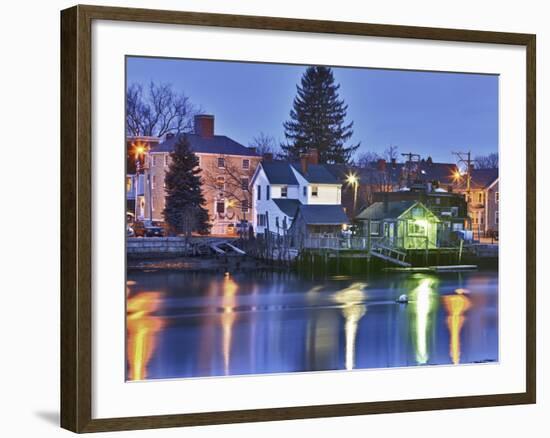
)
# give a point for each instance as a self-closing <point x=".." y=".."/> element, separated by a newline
<point x="76" y="217"/>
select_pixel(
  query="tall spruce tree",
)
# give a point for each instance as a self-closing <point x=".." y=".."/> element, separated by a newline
<point x="184" y="210"/>
<point x="317" y="119"/>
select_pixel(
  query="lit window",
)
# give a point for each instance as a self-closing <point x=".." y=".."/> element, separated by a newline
<point x="284" y="191"/>
<point x="246" y="164"/>
<point x="221" y="162"/>
<point x="314" y="191"/>
<point x="417" y="228"/>
<point x="244" y="183"/>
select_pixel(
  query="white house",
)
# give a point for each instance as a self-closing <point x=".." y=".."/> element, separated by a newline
<point x="280" y="188"/>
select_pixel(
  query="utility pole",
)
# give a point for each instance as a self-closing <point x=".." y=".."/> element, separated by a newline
<point x="466" y="158"/>
<point x="410" y="158"/>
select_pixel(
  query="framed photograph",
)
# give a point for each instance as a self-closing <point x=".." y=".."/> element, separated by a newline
<point x="269" y="218"/>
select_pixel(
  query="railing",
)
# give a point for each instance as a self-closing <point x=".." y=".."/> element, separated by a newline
<point x="340" y="243"/>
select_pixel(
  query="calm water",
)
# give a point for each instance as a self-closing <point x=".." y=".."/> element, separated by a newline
<point x="204" y="324"/>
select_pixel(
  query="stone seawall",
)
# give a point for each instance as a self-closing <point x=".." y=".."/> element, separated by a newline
<point x="155" y="246"/>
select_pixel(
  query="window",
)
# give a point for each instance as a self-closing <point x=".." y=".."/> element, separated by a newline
<point x="220" y="207"/>
<point x="314" y="191"/>
<point x="220" y="182"/>
<point x="166" y="160"/>
<point x="261" y="220"/>
<point x="496" y="217"/>
<point x="375" y="228"/>
<point x="268" y="192"/>
<point x="154" y="182"/>
<point x="259" y="189"/>
<point x="154" y="160"/>
<point x="417" y="228"/>
<point x="244" y="183"/>
<point x="244" y="205"/>
<point x="438" y="201"/>
<point x="246" y="164"/>
<point x="304" y="190"/>
<point x="284" y="191"/>
<point x="221" y="162"/>
<point x="497" y="197"/>
<point x="480" y="198"/>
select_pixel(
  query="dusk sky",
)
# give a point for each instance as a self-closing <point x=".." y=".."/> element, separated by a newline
<point x="431" y="114"/>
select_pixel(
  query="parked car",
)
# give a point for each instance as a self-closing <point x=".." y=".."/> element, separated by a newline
<point x="144" y="230"/>
<point x="129" y="231"/>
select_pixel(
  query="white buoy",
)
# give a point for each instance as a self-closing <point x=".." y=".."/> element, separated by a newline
<point x="403" y="299"/>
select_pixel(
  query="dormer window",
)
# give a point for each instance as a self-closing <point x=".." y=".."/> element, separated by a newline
<point x="284" y="191"/>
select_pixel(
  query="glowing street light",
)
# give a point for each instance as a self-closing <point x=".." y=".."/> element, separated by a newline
<point x="353" y="180"/>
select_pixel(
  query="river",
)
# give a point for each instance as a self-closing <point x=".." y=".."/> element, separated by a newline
<point x="195" y="324"/>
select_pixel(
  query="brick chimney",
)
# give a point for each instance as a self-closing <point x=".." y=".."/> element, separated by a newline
<point x="204" y="125"/>
<point x="310" y="157"/>
<point x="381" y="164"/>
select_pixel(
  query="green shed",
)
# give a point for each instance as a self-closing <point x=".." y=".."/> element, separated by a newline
<point x="401" y="224"/>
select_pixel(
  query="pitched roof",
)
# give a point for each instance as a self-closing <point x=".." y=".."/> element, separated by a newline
<point x="377" y="211"/>
<point x="332" y="214"/>
<point x="279" y="172"/>
<point x="288" y="206"/>
<point x="217" y="144"/>
<point x="483" y="178"/>
<point x="316" y="174"/>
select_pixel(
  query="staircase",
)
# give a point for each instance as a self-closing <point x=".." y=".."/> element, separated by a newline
<point x="385" y="251"/>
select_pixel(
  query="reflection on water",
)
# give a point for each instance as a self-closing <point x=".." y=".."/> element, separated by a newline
<point x="353" y="308"/>
<point x="187" y="324"/>
<point x="457" y="306"/>
<point x="423" y="304"/>
<point x="142" y="327"/>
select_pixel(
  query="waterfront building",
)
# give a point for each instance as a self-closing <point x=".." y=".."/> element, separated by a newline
<point x="402" y="224"/>
<point x="226" y="169"/>
<point x="281" y="188"/>
<point x="482" y="197"/>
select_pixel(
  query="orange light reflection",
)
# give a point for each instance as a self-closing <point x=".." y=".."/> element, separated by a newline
<point x="456" y="306"/>
<point x="142" y="328"/>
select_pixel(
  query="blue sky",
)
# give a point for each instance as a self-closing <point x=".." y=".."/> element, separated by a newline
<point x="428" y="113"/>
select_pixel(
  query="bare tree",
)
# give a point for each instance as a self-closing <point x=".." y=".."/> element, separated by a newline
<point x="157" y="110"/>
<point x="391" y="153"/>
<point x="489" y="161"/>
<point x="231" y="183"/>
<point x="367" y="159"/>
<point x="264" y="144"/>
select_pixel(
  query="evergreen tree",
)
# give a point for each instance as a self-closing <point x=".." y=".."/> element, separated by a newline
<point x="317" y="119"/>
<point x="184" y="210"/>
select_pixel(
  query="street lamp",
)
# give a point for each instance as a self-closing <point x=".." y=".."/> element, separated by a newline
<point x="353" y="180"/>
<point x="139" y="151"/>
